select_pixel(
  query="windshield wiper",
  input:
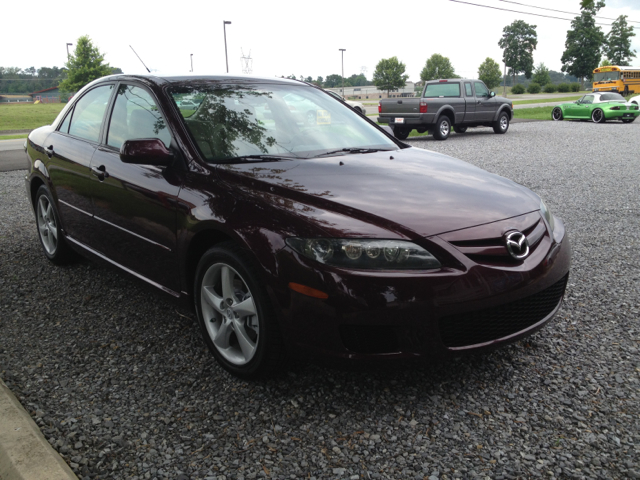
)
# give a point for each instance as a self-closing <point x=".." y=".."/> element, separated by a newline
<point x="353" y="150"/>
<point x="263" y="157"/>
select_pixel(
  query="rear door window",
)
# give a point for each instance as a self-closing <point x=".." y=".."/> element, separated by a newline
<point x="88" y="113"/>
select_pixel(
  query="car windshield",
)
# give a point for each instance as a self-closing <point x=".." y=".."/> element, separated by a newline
<point x="612" y="97"/>
<point x="233" y="122"/>
<point x="606" y="76"/>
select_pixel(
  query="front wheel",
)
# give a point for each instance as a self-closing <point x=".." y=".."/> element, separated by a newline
<point x="459" y="129"/>
<point x="556" y="114"/>
<point x="443" y="128"/>
<point x="49" y="230"/>
<point x="598" y="116"/>
<point x="502" y="124"/>
<point x="401" y="133"/>
<point x="234" y="313"/>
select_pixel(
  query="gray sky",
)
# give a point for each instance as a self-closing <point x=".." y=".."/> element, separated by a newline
<point x="289" y="37"/>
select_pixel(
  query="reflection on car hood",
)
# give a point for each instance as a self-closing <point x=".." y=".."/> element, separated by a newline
<point x="417" y="190"/>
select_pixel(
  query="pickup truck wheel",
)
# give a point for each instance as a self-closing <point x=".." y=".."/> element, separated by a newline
<point x="502" y="124"/>
<point x="401" y="133"/>
<point x="443" y="128"/>
<point x="459" y="129"/>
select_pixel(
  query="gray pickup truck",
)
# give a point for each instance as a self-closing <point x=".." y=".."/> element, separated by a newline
<point x="459" y="102"/>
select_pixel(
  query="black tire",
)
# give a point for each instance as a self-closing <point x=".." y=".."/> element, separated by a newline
<point x="556" y="114"/>
<point x="502" y="124"/>
<point x="628" y="120"/>
<point x="458" y="129"/>
<point x="401" y="133"/>
<point x="442" y="129"/>
<point x="50" y="234"/>
<point x="247" y="345"/>
<point x="597" y="116"/>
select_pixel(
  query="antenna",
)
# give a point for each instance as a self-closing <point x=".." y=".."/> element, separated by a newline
<point x="140" y="59"/>
<point x="247" y="62"/>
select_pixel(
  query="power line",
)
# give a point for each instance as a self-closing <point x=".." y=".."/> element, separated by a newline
<point x="525" y="13"/>
<point x="560" y="11"/>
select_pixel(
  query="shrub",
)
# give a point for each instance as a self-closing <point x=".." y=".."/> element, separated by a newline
<point x="564" y="87"/>
<point x="517" y="89"/>
<point x="533" y="88"/>
<point x="575" y="87"/>
<point x="549" y="88"/>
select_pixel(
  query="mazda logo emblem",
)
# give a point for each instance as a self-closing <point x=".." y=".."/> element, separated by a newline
<point x="517" y="244"/>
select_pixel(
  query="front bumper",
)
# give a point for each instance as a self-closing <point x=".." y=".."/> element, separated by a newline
<point x="462" y="308"/>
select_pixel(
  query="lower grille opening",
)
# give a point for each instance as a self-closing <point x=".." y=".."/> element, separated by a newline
<point x="369" y="339"/>
<point x="498" y="322"/>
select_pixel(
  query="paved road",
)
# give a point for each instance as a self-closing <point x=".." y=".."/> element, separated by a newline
<point x="12" y="155"/>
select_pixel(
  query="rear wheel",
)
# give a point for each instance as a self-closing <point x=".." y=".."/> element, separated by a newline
<point x="597" y="116"/>
<point x="556" y="114"/>
<point x="234" y="313"/>
<point x="502" y="124"/>
<point x="443" y="128"/>
<point x="401" y="133"/>
<point x="49" y="230"/>
<point x="458" y="129"/>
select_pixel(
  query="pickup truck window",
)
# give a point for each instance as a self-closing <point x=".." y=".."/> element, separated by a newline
<point x="481" y="90"/>
<point x="467" y="89"/>
<point x="436" y="90"/>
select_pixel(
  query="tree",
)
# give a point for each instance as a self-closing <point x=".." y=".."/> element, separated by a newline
<point x="333" y="80"/>
<point x="617" y="47"/>
<point x="389" y="75"/>
<point x="489" y="73"/>
<point x="541" y="75"/>
<point x="437" y="67"/>
<point x="604" y="62"/>
<point x="518" y="41"/>
<point x="85" y="65"/>
<point x="584" y="41"/>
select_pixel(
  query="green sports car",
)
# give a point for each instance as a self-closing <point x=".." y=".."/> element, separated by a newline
<point x="598" y="107"/>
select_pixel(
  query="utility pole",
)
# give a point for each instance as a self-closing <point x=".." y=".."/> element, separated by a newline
<point x="224" y="26"/>
<point x="192" y="63"/>
<point x="68" y="45"/>
<point x="342" y="50"/>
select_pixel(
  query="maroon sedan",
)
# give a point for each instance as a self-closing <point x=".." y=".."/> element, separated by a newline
<point x="293" y="224"/>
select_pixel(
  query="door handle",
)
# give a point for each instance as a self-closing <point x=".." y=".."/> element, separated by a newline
<point x="49" y="151"/>
<point x="100" y="172"/>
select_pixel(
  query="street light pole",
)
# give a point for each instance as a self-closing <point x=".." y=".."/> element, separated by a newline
<point x="224" y="26"/>
<point x="342" y="50"/>
<point x="192" y="63"/>
<point x="68" y="45"/>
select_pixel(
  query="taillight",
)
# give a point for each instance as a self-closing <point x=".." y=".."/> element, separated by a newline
<point x="379" y="108"/>
<point x="423" y="107"/>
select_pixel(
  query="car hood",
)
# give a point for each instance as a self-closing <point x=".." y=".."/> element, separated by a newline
<point x="410" y="191"/>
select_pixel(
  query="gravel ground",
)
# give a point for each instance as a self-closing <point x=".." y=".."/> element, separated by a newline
<point x="118" y="379"/>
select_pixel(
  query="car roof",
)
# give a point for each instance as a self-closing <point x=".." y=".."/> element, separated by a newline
<point x="159" y="79"/>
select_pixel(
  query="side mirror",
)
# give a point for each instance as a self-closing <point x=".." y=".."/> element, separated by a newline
<point x="146" y="151"/>
<point x="492" y="94"/>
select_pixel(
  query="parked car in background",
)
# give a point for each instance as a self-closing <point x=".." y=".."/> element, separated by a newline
<point x="355" y="105"/>
<point x="323" y="239"/>
<point x="635" y="100"/>
<point x="598" y="107"/>
<point x="457" y="103"/>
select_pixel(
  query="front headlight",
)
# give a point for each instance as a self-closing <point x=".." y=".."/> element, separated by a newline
<point x="365" y="254"/>
<point x="547" y="215"/>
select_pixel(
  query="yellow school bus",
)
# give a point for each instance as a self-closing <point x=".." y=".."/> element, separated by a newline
<point x="624" y="80"/>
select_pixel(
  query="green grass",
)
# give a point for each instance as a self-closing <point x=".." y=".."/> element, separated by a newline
<point x="536" y="113"/>
<point x="13" y="137"/>
<point x="27" y="116"/>
<point x="547" y="100"/>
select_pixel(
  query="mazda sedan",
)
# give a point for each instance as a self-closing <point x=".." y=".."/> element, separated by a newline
<point x="318" y="239"/>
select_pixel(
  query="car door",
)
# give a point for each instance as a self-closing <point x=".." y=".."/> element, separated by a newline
<point x="70" y="149"/>
<point x="470" y="108"/>
<point x="581" y="109"/>
<point x="135" y="205"/>
<point x="485" y="105"/>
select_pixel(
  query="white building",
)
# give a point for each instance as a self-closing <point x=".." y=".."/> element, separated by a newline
<point x="372" y="93"/>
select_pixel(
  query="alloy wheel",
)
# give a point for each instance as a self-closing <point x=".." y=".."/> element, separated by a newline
<point x="47" y="226"/>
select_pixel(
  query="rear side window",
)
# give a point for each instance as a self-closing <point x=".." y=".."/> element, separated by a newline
<point x="467" y="89"/>
<point x="436" y="90"/>
<point x="86" y="119"/>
